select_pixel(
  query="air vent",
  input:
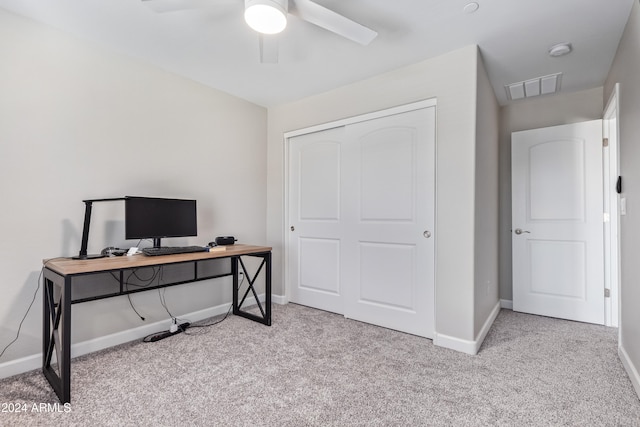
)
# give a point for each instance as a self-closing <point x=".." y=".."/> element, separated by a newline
<point x="534" y="87"/>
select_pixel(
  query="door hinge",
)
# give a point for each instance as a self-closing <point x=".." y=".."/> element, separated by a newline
<point x="607" y="293"/>
<point x="605" y="142"/>
<point x="606" y="217"/>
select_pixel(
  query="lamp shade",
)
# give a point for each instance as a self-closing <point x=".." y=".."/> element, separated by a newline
<point x="266" y="16"/>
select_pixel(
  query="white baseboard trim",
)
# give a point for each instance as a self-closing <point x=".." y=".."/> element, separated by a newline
<point x="506" y="303"/>
<point x="453" y="343"/>
<point x="468" y="346"/>
<point x="18" y="366"/>
<point x="29" y="363"/>
<point x="279" y="299"/>
<point x="487" y="326"/>
<point x="634" y="376"/>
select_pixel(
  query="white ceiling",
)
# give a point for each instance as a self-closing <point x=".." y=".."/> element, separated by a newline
<point x="214" y="46"/>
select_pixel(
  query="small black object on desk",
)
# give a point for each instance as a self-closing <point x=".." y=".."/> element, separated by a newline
<point x="224" y="240"/>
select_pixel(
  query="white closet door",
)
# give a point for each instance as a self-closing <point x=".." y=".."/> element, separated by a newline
<point x="389" y="206"/>
<point x="361" y="211"/>
<point x="315" y="235"/>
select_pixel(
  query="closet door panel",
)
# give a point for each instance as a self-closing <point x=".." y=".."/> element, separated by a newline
<point x="389" y="204"/>
<point x="315" y="238"/>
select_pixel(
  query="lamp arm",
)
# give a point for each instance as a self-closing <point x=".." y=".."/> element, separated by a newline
<point x="85" y="230"/>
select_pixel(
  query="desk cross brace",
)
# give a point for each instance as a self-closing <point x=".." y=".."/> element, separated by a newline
<point x="265" y="312"/>
<point x="56" y="333"/>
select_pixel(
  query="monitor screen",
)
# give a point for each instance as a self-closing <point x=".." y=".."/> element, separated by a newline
<point x="154" y="218"/>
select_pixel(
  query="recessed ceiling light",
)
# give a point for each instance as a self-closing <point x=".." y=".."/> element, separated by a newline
<point x="471" y="7"/>
<point x="560" y="49"/>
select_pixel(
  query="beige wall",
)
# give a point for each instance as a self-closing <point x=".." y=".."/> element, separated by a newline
<point x="451" y="78"/>
<point x="78" y="122"/>
<point x="625" y="71"/>
<point x="486" y="201"/>
<point x="534" y="113"/>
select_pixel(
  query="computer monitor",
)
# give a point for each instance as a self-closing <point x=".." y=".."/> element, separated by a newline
<point x="156" y="218"/>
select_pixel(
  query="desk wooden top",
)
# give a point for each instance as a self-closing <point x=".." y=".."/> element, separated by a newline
<point x="69" y="266"/>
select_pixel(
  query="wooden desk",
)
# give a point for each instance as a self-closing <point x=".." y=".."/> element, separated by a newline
<point x="59" y="274"/>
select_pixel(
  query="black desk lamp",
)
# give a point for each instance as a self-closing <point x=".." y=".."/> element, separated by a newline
<point x="85" y="231"/>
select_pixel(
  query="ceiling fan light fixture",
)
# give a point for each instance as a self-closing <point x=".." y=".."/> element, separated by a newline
<point x="266" y="16"/>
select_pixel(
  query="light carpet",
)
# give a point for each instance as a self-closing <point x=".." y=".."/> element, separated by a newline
<point x="313" y="368"/>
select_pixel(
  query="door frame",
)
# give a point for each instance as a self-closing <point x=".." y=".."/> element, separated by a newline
<point x="426" y="103"/>
<point x="611" y="229"/>
<point x="611" y="171"/>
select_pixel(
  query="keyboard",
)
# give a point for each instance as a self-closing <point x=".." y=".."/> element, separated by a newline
<point x="172" y="250"/>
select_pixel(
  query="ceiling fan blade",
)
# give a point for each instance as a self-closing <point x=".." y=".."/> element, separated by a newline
<point x="162" y="6"/>
<point x="268" y="49"/>
<point x="332" y="21"/>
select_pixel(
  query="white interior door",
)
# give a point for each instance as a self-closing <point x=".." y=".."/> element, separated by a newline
<point x="557" y="220"/>
<point x="316" y="228"/>
<point x="361" y="217"/>
<point x="390" y="206"/>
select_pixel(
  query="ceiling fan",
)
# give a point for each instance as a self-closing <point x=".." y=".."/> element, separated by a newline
<point x="269" y="17"/>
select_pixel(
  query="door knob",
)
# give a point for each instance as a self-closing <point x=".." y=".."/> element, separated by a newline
<point x="521" y="231"/>
<point x="292" y="228"/>
<point x="427" y="234"/>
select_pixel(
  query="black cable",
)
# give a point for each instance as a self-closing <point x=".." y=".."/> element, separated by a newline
<point x="164" y="302"/>
<point x="134" y="309"/>
<point x="144" y="285"/>
<point x="25" y="314"/>
<point x="206" y="325"/>
<point x="159" y="274"/>
<point x="161" y="292"/>
<point x="133" y="273"/>
<point x="196" y="326"/>
<point x="148" y="281"/>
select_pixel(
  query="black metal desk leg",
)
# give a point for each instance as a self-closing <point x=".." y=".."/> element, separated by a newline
<point x="267" y="287"/>
<point x="65" y="363"/>
<point x="56" y="330"/>
<point x="234" y="274"/>
<point x="47" y="296"/>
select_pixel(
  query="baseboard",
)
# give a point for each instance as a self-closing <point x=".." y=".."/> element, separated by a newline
<point x="468" y="346"/>
<point x="29" y="363"/>
<point x="634" y="376"/>
<point x="279" y="299"/>
<point x="506" y="303"/>
<point x="487" y="326"/>
<point x="453" y="343"/>
<point x="18" y="366"/>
